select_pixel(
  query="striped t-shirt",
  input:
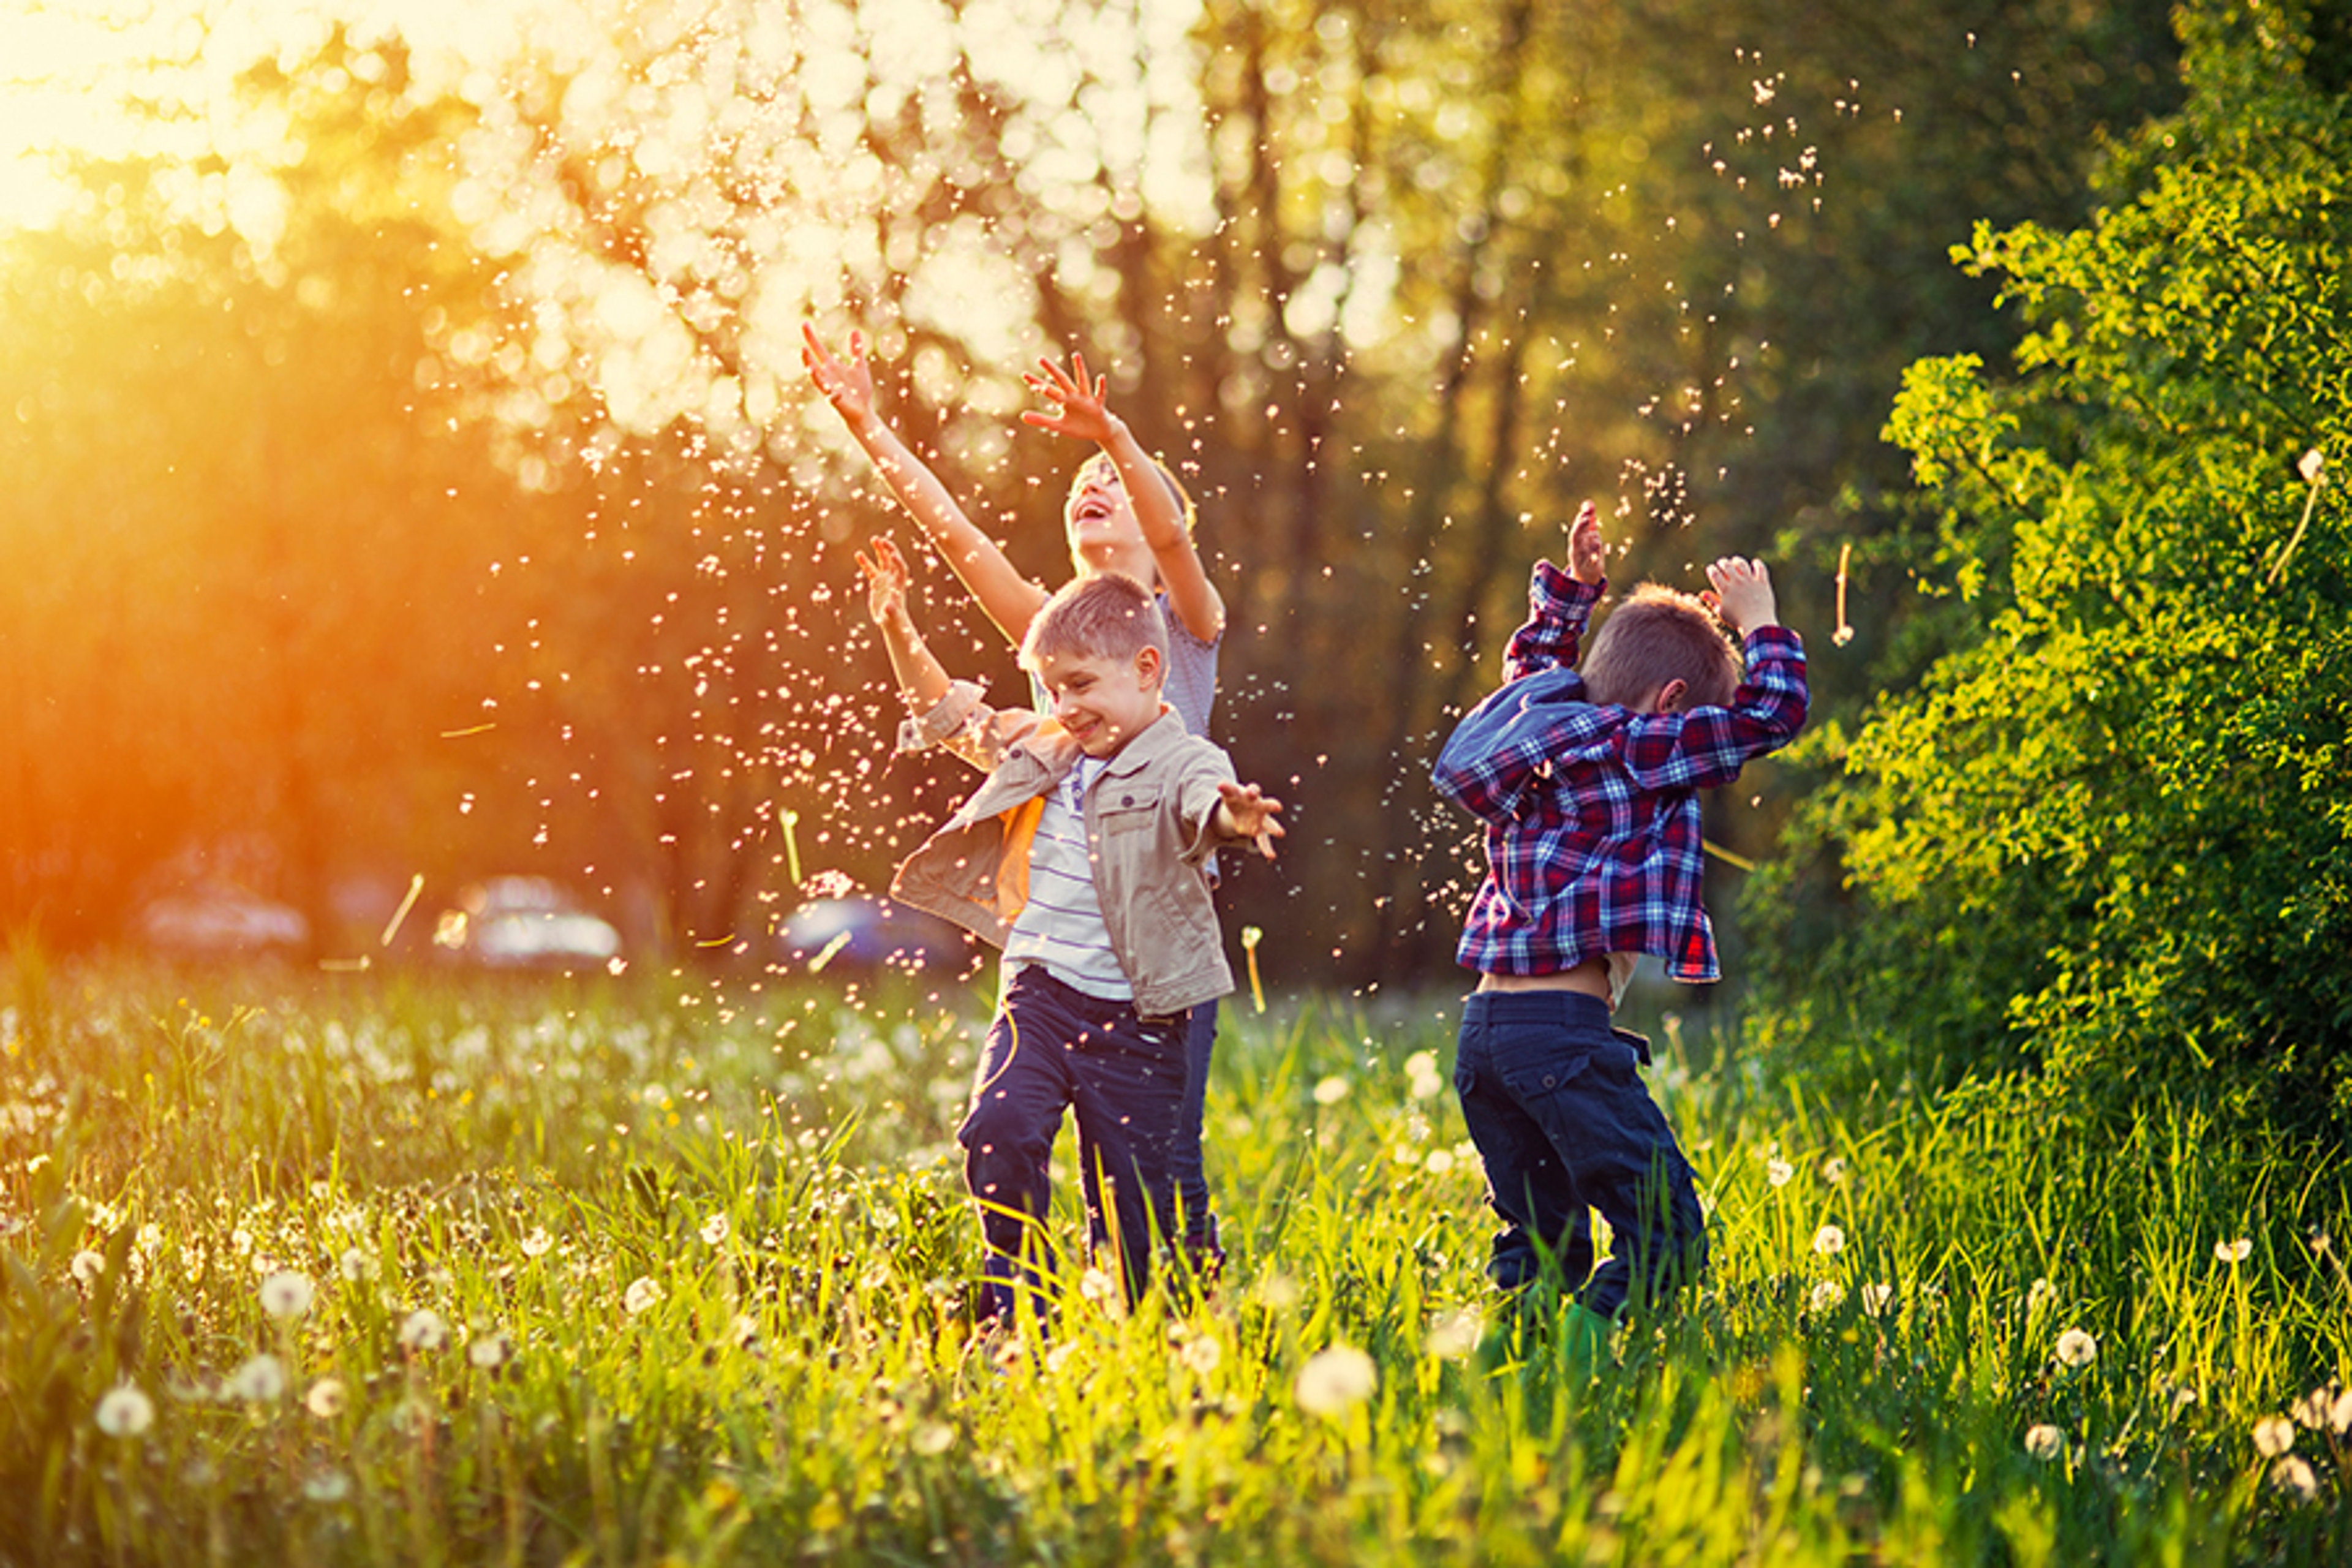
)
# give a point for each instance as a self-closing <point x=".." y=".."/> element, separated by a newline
<point x="1061" y="926"/>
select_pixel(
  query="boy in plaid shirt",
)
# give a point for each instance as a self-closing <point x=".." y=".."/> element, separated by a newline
<point x="1588" y="785"/>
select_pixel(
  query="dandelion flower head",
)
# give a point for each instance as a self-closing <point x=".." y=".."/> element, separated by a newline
<point x="2274" y="1436"/>
<point x="286" y="1294"/>
<point x="1335" y="1379"/>
<point x="2076" y="1349"/>
<point x="2044" y="1441"/>
<point x="124" y="1412"/>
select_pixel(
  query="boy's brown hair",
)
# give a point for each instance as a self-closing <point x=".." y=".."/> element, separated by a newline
<point x="1106" y="615"/>
<point x="1660" y="634"/>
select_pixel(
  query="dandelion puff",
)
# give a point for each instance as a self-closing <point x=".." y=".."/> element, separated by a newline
<point x="1779" y="1172"/>
<point x="1201" y="1354"/>
<point x="1331" y="1090"/>
<point x="1440" y="1161"/>
<point x="327" y="1486"/>
<point x="1276" y="1292"/>
<point x="124" y="1412"/>
<point x="1826" y="1295"/>
<point x="260" y="1381"/>
<point x="490" y="1348"/>
<point x="643" y="1296"/>
<point x="87" y="1265"/>
<point x="2340" y="1415"/>
<point x="2076" y="1349"/>
<point x="1100" y="1290"/>
<point x="2294" y="1477"/>
<point x="715" y="1230"/>
<point x="2040" y="1294"/>
<point x="286" y="1294"/>
<point x="932" y="1437"/>
<point x="424" y="1331"/>
<point x="1834" y="1169"/>
<point x="1334" y="1379"/>
<point x="2233" y="1251"/>
<point x="1455" y="1334"/>
<point x="2311" y="465"/>
<point x="357" y="1267"/>
<point x="2312" y="1409"/>
<point x="536" y="1244"/>
<point x="1829" y="1241"/>
<point x="1876" y="1298"/>
<point x="326" y="1398"/>
<point x="2044" y="1441"/>
<point x="2274" y="1436"/>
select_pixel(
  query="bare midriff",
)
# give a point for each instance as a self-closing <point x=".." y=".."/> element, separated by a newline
<point x="1591" y="977"/>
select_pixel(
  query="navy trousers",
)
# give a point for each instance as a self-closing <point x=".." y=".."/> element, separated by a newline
<point x="1554" y="1100"/>
<point x="1054" y="1048"/>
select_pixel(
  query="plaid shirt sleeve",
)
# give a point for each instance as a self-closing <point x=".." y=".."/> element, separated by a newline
<point x="1706" y="745"/>
<point x="1558" y="608"/>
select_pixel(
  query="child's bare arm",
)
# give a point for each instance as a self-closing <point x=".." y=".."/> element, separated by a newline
<point x="1083" y="412"/>
<point x="1245" y="812"/>
<point x="1009" y="599"/>
<point x="1742" y="594"/>
<point x="922" y="678"/>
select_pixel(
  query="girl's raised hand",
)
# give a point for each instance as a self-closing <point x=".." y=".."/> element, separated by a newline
<point x="845" y="382"/>
<point x="1081" y="410"/>
<point x="885" y="581"/>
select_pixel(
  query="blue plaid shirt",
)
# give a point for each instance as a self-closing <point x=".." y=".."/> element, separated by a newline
<point x="1592" y="810"/>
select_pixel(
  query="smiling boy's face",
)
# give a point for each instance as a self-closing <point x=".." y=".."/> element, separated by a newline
<point x="1103" y="703"/>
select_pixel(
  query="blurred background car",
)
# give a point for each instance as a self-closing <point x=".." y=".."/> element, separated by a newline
<point x="525" y="922"/>
<point x="219" y="918"/>
<point x="868" y="935"/>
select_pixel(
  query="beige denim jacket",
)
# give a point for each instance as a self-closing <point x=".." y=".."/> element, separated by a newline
<point x="1150" y="816"/>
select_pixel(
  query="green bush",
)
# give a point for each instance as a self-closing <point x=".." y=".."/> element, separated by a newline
<point x="2109" y="830"/>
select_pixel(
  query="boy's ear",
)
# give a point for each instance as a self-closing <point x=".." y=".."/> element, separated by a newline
<point x="1148" y="665"/>
<point x="1673" y="697"/>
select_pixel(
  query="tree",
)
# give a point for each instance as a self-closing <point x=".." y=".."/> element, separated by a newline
<point x="2109" y="832"/>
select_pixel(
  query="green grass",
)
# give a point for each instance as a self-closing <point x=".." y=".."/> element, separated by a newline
<point x="704" y="1267"/>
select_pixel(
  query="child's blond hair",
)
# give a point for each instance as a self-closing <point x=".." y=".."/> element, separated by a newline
<point x="1659" y="635"/>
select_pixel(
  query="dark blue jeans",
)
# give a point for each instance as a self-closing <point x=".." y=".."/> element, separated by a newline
<point x="1054" y="1048"/>
<point x="1554" y="1100"/>
<point x="1201" y="1245"/>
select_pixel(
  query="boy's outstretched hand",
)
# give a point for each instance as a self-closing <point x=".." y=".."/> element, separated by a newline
<point x="1081" y="410"/>
<point x="1588" y="553"/>
<point x="1243" y="812"/>
<point x="885" y="581"/>
<point x="846" y="382"/>
<point x="1742" y="594"/>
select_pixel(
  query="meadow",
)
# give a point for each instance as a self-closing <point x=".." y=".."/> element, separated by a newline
<point x="354" y="1268"/>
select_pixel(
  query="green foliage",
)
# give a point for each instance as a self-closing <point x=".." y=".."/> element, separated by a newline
<point x="704" y="1289"/>
<point x="2111" y="830"/>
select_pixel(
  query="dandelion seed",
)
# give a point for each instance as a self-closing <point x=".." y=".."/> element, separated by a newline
<point x="286" y="1294"/>
<point x="715" y="1230"/>
<point x="327" y="1486"/>
<point x="536" y="1244"/>
<point x="1201" y="1354"/>
<point x="1876" y="1298"/>
<point x="1331" y="1090"/>
<point x="2076" y="1349"/>
<point x="87" y="1265"/>
<point x="260" y="1381"/>
<point x="1334" y="1379"/>
<point x="2274" y="1436"/>
<point x="932" y="1438"/>
<point x="124" y="1412"/>
<point x="1829" y="1241"/>
<point x="1826" y="1295"/>
<point x="1779" y="1172"/>
<point x="2233" y="1251"/>
<point x="2044" y="1441"/>
<point x="1455" y="1334"/>
<point x="326" y="1398"/>
<point x="643" y="1296"/>
<point x="490" y="1349"/>
<point x="424" y="1331"/>
<point x="2294" y="1476"/>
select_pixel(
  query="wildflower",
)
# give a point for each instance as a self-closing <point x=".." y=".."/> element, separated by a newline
<point x="2274" y="1436"/>
<point x="260" y="1381"/>
<point x="286" y="1294"/>
<point x="2076" y="1349"/>
<point x="1440" y="1161"/>
<point x="1331" y="1090"/>
<point x="1826" y="1295"/>
<point x="1455" y="1334"/>
<point x="424" y="1331"/>
<point x="1420" y="1075"/>
<point x="2044" y="1441"/>
<point x="1334" y="1379"/>
<point x="356" y="1265"/>
<point x="715" y="1230"/>
<point x="2233" y="1251"/>
<point x="2292" y="1474"/>
<point x="1779" y="1172"/>
<point x="536" y="1244"/>
<point x="2313" y="1408"/>
<point x="1276" y="1292"/>
<point x="1876" y="1298"/>
<point x="124" y="1412"/>
<point x="490" y="1349"/>
<point x="326" y="1398"/>
<point x="88" y="1266"/>
<point x="1834" y="1169"/>
<point x="2040" y="1294"/>
<point x="1099" y="1289"/>
<point x="932" y="1437"/>
<point x="1829" y="1241"/>
<point x="1201" y="1354"/>
<point x="327" y="1486"/>
<point x="642" y="1295"/>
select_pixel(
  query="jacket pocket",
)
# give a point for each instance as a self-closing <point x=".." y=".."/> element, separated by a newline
<point x="1123" y="808"/>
